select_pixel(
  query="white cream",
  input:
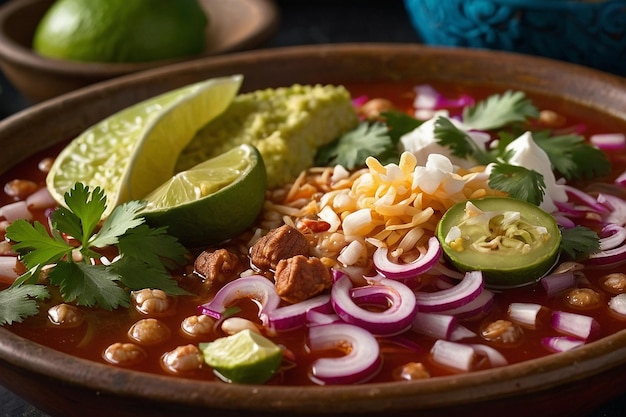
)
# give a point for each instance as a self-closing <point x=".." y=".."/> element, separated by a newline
<point x="526" y="153"/>
<point x="422" y="142"/>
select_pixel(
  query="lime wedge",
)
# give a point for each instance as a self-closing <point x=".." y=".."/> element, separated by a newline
<point x="132" y="152"/>
<point x="213" y="201"/>
<point x="245" y="357"/>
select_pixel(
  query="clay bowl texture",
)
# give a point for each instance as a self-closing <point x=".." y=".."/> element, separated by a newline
<point x="571" y="383"/>
<point x="234" y="25"/>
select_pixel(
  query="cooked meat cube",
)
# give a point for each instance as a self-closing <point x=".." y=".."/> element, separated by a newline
<point x="281" y="243"/>
<point x="299" y="278"/>
<point x="219" y="265"/>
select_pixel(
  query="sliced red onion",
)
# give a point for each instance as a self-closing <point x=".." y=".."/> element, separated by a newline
<point x="316" y="318"/>
<point x="613" y="248"/>
<point x="465" y="291"/>
<point x="465" y="357"/>
<point x="429" y="98"/>
<point x="585" y="198"/>
<point x="563" y="220"/>
<point x="296" y="315"/>
<point x="577" y="325"/>
<point x="621" y="179"/>
<point x="256" y="287"/>
<point x="360" y="363"/>
<point x="525" y="314"/>
<point x="442" y="269"/>
<point x="561" y="343"/>
<point x="8" y="269"/>
<point x="434" y="325"/>
<point x="618" y="304"/>
<point x="555" y="283"/>
<point x="460" y="332"/>
<point x="453" y="355"/>
<point x="495" y="358"/>
<point x="15" y="211"/>
<point x="41" y="199"/>
<point x="393" y="320"/>
<point x="478" y="305"/>
<point x="609" y="141"/>
<point x="616" y="207"/>
<point x="419" y="266"/>
<point x="440" y="326"/>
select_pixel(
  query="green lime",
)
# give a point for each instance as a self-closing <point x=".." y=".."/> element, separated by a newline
<point x="512" y="242"/>
<point x="245" y="357"/>
<point x="134" y="151"/>
<point x="121" y="30"/>
<point x="213" y="201"/>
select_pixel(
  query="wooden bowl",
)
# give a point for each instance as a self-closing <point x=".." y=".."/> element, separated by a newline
<point x="233" y="25"/>
<point x="571" y="383"/>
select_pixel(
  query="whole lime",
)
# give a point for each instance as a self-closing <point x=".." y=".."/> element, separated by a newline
<point x="121" y="30"/>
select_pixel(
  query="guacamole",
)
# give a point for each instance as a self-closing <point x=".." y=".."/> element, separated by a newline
<point x="285" y="124"/>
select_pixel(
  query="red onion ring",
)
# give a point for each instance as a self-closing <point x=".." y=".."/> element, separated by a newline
<point x="296" y="315"/>
<point x="421" y="265"/>
<point x="478" y="305"/>
<point x="256" y="287"/>
<point x="359" y="364"/>
<point x="465" y="291"/>
<point x="612" y="245"/>
<point x="393" y="320"/>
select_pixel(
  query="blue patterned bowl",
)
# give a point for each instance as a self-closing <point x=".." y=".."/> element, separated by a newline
<point x="587" y="32"/>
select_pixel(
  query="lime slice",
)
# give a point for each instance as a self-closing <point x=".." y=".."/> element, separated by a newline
<point x="213" y="201"/>
<point x="245" y="357"/>
<point x="134" y="151"/>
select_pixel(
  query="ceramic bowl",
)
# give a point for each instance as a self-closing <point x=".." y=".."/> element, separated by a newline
<point x="588" y="32"/>
<point x="233" y="25"/>
<point x="570" y="384"/>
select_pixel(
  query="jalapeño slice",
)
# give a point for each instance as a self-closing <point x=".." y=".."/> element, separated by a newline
<point x="512" y="242"/>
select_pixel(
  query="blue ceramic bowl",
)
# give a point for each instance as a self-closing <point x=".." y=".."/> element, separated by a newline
<point x="587" y="32"/>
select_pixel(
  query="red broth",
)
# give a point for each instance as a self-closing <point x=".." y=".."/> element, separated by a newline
<point x="102" y="328"/>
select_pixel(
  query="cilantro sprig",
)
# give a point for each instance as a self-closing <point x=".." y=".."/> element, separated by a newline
<point x="499" y="110"/>
<point x="70" y="254"/>
<point x="352" y="149"/>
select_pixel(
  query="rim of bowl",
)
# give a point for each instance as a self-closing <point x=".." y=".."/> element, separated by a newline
<point x="529" y="376"/>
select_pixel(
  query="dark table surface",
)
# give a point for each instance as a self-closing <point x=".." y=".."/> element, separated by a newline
<point x="315" y="22"/>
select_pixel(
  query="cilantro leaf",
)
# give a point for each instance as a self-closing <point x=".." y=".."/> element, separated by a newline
<point x="17" y="303"/>
<point x="352" y="149"/>
<point x="499" y="110"/>
<point x="153" y="246"/>
<point x="399" y="123"/>
<point x="519" y="182"/>
<point x="87" y="206"/>
<point x="459" y="142"/>
<point x="572" y="156"/>
<point x="89" y="285"/>
<point x="35" y="243"/>
<point x="579" y="242"/>
<point x="137" y="275"/>
<point x="121" y="219"/>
